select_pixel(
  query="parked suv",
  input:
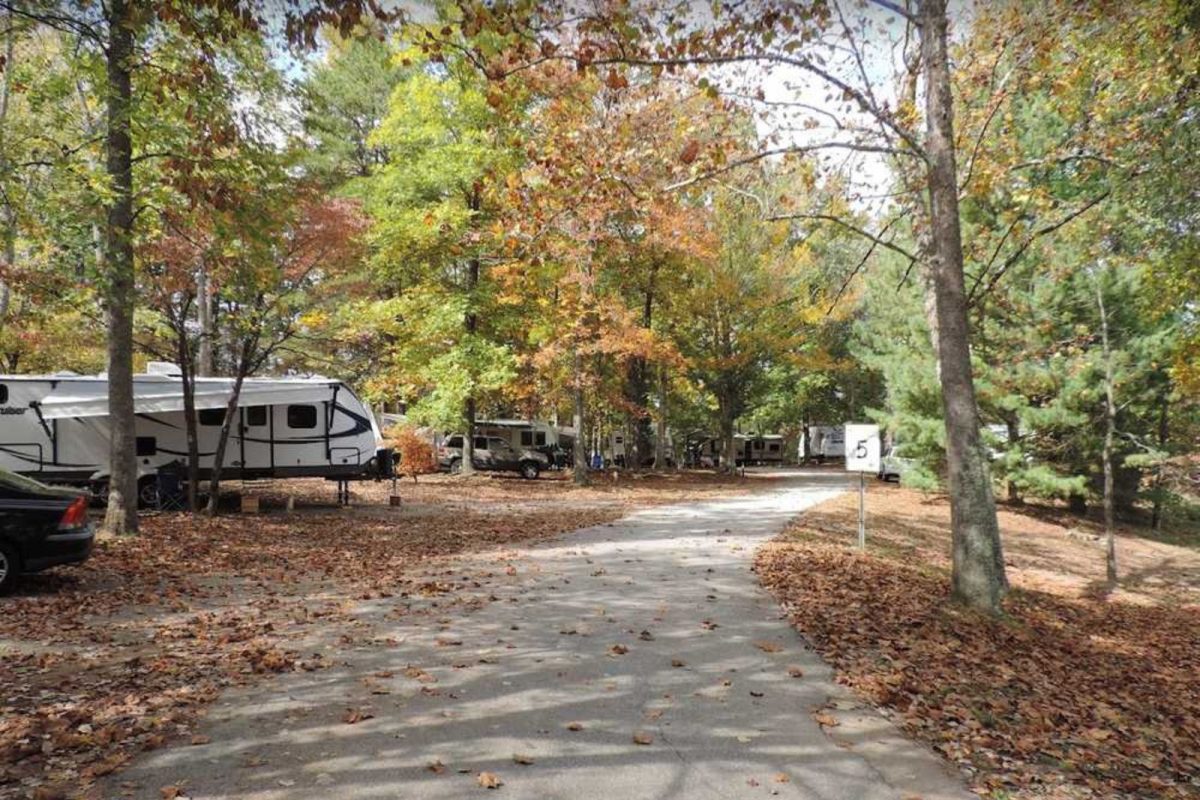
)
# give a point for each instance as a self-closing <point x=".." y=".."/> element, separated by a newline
<point x="492" y="454"/>
<point x="40" y="526"/>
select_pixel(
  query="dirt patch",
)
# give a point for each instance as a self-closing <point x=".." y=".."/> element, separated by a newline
<point x="1071" y="695"/>
<point x="120" y="654"/>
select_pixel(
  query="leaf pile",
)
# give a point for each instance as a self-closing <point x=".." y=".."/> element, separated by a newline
<point x="1066" y="696"/>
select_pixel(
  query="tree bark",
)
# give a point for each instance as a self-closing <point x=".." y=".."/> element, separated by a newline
<point x="204" y="358"/>
<point x="978" y="565"/>
<point x="660" y="428"/>
<point x="728" y="443"/>
<point x="1110" y="429"/>
<point x="121" y="516"/>
<point x="9" y="212"/>
<point x="214" y="482"/>
<point x="471" y="325"/>
<point x="1164" y="403"/>
<point x="187" y="378"/>
<point x="579" y="454"/>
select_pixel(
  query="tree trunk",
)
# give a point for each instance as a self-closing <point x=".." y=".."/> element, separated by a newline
<point x="1110" y="429"/>
<point x="121" y="516"/>
<point x="1164" y="402"/>
<point x="1014" y="433"/>
<point x="471" y="325"/>
<point x="188" y="384"/>
<point x="660" y="427"/>
<point x="9" y="212"/>
<point x="978" y="564"/>
<point x="728" y="443"/>
<point x="214" y="482"/>
<point x="204" y="359"/>
<point x="580" y="455"/>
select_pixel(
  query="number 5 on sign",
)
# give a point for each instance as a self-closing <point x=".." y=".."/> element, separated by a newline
<point x="862" y="455"/>
<point x="862" y="448"/>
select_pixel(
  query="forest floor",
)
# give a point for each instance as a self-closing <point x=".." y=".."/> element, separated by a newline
<point x="120" y="655"/>
<point x="1075" y="693"/>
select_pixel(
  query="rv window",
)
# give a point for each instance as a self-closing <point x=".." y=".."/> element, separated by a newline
<point x="3" y="394"/>
<point x="302" y="417"/>
<point x="256" y="415"/>
<point x="774" y="447"/>
<point x="541" y="438"/>
<point x="211" y="416"/>
<point x="526" y="438"/>
<point x="146" y="446"/>
<point x="481" y="443"/>
<point x="454" y="441"/>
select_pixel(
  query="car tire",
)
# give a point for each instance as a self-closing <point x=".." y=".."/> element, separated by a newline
<point x="456" y="466"/>
<point x="530" y="470"/>
<point x="10" y="567"/>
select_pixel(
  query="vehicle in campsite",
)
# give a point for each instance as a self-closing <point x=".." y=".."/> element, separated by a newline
<point x="492" y="454"/>
<point x="823" y="442"/>
<point x="40" y="527"/>
<point x="56" y="428"/>
<point x="893" y="464"/>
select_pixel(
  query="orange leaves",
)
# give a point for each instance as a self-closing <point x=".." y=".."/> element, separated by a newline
<point x="690" y="151"/>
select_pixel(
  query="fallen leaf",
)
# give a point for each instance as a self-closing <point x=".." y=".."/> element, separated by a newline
<point x="489" y="780"/>
<point x="825" y="719"/>
<point x="436" y="767"/>
<point x="356" y="715"/>
<point x="618" y="650"/>
<point x="641" y="737"/>
<point x="795" y="672"/>
<point x="769" y="647"/>
<point x="675" y="662"/>
<point x="782" y="777"/>
<point x="574" y="726"/>
<point x="522" y="759"/>
<point x="200" y="739"/>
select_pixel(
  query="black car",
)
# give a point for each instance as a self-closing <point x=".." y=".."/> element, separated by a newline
<point x="40" y="527"/>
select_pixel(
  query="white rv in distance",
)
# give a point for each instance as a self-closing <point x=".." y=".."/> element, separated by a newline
<point x="56" y="428"/>
<point x="823" y="442"/>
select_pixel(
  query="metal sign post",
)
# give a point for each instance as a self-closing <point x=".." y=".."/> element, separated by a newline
<point x="862" y="456"/>
<point x="862" y="512"/>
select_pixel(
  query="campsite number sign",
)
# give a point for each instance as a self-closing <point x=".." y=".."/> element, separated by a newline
<point x="862" y="456"/>
<point x="862" y="448"/>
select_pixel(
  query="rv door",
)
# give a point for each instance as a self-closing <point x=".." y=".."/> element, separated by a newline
<point x="256" y="434"/>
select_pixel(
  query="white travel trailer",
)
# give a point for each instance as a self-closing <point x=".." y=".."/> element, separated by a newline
<point x="518" y="432"/>
<point x="766" y="448"/>
<point x="825" y="441"/>
<point x="56" y="427"/>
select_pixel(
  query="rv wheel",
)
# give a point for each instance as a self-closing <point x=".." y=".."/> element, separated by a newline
<point x="148" y="492"/>
<point x="456" y="466"/>
<point x="530" y="470"/>
<point x="9" y="567"/>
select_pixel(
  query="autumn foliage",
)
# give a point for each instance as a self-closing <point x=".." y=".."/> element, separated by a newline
<point x="416" y="451"/>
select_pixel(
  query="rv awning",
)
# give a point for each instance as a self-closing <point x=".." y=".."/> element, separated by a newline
<point x="160" y="395"/>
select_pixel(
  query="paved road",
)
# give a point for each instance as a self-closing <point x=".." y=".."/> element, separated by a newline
<point x="651" y="628"/>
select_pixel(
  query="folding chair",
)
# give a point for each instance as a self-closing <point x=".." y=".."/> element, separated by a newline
<point x="171" y="494"/>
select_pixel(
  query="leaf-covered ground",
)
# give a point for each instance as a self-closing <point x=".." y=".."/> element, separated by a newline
<point x="1073" y="694"/>
<point x="120" y="654"/>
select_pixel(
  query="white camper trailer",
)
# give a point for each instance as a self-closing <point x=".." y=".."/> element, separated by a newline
<point x="765" y="448"/>
<point x="824" y="442"/>
<point x="56" y="427"/>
